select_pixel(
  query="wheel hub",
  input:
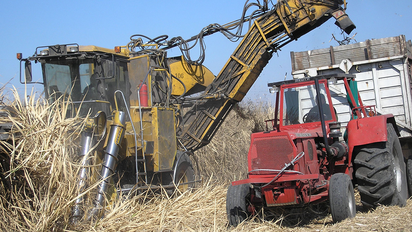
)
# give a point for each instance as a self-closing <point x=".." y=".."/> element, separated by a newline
<point x="397" y="172"/>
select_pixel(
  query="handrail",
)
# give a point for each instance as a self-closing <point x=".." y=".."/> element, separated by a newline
<point x="134" y="130"/>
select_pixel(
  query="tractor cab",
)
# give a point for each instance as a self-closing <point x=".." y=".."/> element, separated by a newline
<point x="88" y="76"/>
<point x="303" y="103"/>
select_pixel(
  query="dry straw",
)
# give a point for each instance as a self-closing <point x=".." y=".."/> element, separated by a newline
<point x="39" y="183"/>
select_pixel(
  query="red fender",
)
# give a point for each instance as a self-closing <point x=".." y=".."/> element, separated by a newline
<point x="366" y="131"/>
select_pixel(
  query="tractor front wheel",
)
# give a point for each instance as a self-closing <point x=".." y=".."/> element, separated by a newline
<point x="341" y="197"/>
<point x="381" y="172"/>
<point x="236" y="204"/>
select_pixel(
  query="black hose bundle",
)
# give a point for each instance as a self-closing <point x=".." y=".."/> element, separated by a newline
<point x="162" y="43"/>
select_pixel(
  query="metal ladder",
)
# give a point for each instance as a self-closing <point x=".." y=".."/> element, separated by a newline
<point x="142" y="147"/>
<point x="142" y="141"/>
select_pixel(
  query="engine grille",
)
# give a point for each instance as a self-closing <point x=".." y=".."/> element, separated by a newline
<point x="271" y="152"/>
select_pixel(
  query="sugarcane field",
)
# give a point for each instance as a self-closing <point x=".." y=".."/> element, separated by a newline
<point x="259" y="115"/>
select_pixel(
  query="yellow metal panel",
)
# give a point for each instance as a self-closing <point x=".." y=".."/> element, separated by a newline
<point x="138" y="69"/>
<point x="92" y="48"/>
<point x="164" y="135"/>
<point x="190" y="75"/>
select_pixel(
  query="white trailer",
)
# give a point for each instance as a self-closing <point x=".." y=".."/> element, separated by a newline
<point x="383" y="72"/>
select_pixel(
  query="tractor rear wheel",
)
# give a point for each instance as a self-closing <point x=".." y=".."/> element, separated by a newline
<point x="237" y="203"/>
<point x="341" y="197"/>
<point x="381" y="172"/>
<point x="409" y="174"/>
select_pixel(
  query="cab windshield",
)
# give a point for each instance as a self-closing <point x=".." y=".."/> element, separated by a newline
<point x="89" y="86"/>
<point x="300" y="105"/>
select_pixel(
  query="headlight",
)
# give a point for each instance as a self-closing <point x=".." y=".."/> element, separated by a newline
<point x="44" y="52"/>
<point x="73" y="49"/>
<point x="273" y="89"/>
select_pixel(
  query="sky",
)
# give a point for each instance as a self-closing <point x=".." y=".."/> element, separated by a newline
<point x="26" y="25"/>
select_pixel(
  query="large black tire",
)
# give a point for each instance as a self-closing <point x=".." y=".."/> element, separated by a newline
<point x="237" y="203"/>
<point x="380" y="172"/>
<point x="184" y="172"/>
<point x="409" y="174"/>
<point x="341" y="197"/>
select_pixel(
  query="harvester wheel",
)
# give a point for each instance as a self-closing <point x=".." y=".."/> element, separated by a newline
<point x="185" y="175"/>
<point x="381" y="172"/>
<point x="341" y="197"/>
<point x="236" y="204"/>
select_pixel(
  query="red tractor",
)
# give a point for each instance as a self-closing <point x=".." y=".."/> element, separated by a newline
<point x="305" y="159"/>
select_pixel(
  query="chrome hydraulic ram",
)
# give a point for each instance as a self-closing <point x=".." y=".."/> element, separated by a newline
<point x="110" y="158"/>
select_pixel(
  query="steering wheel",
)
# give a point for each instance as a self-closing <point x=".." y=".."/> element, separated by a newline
<point x="305" y="117"/>
<point x="311" y="117"/>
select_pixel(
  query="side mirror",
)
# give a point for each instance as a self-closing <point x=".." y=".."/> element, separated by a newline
<point x="28" y="76"/>
<point x="27" y="72"/>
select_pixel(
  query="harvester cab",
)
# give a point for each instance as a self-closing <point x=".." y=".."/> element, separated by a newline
<point x="88" y="75"/>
